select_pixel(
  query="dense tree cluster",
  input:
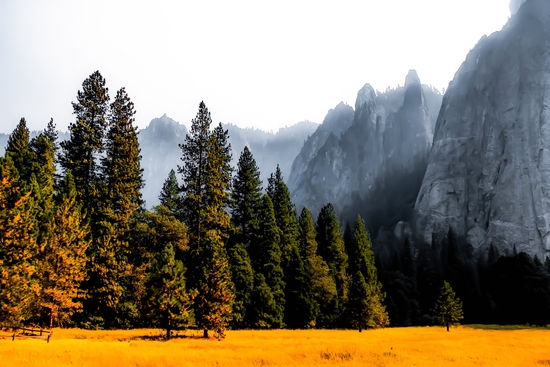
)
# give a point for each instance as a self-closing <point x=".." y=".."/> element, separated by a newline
<point x="78" y="247"/>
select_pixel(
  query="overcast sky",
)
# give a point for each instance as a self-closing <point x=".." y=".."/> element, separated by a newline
<point x="266" y="64"/>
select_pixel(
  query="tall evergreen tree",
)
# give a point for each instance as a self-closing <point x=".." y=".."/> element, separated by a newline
<point x="18" y="150"/>
<point x="243" y="280"/>
<point x="246" y="197"/>
<point x="81" y="152"/>
<point x="121" y="166"/>
<point x="51" y="135"/>
<point x="169" y="195"/>
<point x="265" y="255"/>
<point x="448" y="307"/>
<point x="366" y="301"/>
<point x="18" y="249"/>
<point x="63" y="266"/>
<point x="299" y="296"/>
<point x="265" y="312"/>
<point x="151" y="232"/>
<point x="168" y="300"/>
<point x="206" y="178"/>
<point x="322" y="283"/>
<point x="332" y="250"/>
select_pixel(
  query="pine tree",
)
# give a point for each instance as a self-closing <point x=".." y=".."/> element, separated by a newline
<point x="366" y="305"/>
<point x="18" y="249"/>
<point x="169" y="195"/>
<point x="299" y="296"/>
<point x="322" y="283"/>
<point x="51" y="135"/>
<point x="243" y="280"/>
<point x="121" y="168"/>
<point x="63" y="267"/>
<point x="332" y="250"/>
<point x="18" y="150"/>
<point x="246" y="197"/>
<point x="265" y="312"/>
<point x="301" y="309"/>
<point x="206" y="178"/>
<point x="265" y="255"/>
<point x="448" y="307"/>
<point x="80" y="154"/>
<point x="150" y="233"/>
<point x="43" y="173"/>
<point x="168" y="300"/>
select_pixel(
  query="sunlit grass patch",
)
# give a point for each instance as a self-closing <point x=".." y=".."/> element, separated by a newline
<point x="428" y="346"/>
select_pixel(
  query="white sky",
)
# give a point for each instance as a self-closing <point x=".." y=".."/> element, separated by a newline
<point x="266" y="64"/>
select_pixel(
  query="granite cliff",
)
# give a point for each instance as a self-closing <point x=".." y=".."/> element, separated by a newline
<point x="488" y="174"/>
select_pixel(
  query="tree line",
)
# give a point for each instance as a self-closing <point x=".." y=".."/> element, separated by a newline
<point x="78" y="247"/>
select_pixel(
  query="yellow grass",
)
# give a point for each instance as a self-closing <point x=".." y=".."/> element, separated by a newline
<point x="389" y="347"/>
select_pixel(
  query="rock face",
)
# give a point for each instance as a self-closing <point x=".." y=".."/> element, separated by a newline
<point x="347" y="158"/>
<point x="488" y="174"/>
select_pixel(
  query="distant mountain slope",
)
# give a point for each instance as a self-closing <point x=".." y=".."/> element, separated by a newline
<point x="359" y="152"/>
<point x="270" y="149"/>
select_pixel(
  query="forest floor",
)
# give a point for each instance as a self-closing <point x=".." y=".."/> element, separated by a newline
<point x="413" y="346"/>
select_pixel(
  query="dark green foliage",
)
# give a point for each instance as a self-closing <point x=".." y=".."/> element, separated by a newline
<point x="265" y="313"/>
<point x="300" y="307"/>
<point x="448" y="307"/>
<point x="323" y="285"/>
<point x="167" y="301"/>
<point x="18" y="150"/>
<point x="121" y="170"/>
<point x="285" y="214"/>
<point x="243" y="280"/>
<point x="298" y="292"/>
<point x="331" y="248"/>
<point x="80" y="154"/>
<point x="366" y="307"/>
<point x="265" y="255"/>
<point x="246" y="196"/>
<point x="169" y="195"/>
<point x="206" y="175"/>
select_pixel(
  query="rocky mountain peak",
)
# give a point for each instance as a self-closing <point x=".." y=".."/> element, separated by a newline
<point x="412" y="78"/>
<point x="365" y="96"/>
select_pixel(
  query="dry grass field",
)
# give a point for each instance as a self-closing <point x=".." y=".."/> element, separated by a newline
<point x="388" y="347"/>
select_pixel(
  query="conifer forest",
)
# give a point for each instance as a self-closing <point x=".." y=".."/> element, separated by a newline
<point x="223" y="250"/>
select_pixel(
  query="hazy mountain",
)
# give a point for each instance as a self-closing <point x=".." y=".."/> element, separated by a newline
<point x="488" y="174"/>
<point x="359" y="157"/>
<point x="161" y="153"/>
<point x="270" y="149"/>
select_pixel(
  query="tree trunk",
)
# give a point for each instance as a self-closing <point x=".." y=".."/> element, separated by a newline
<point x="205" y="334"/>
<point x="447" y="326"/>
<point x="360" y="329"/>
<point x="51" y="319"/>
<point x="168" y="328"/>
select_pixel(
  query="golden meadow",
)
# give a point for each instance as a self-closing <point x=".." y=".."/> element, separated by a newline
<point x="413" y="346"/>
